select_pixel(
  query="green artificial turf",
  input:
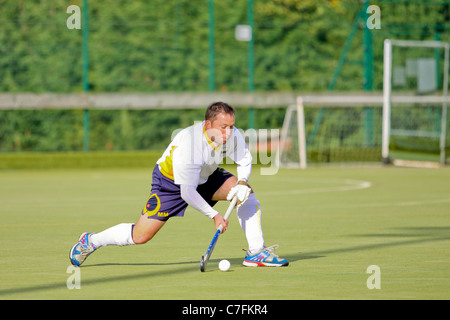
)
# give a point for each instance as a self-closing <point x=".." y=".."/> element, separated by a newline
<point x="331" y="223"/>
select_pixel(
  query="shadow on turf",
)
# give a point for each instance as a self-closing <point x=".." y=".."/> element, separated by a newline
<point x="418" y="235"/>
<point x="94" y="281"/>
<point x="154" y="273"/>
<point x="138" y="264"/>
<point x="414" y="232"/>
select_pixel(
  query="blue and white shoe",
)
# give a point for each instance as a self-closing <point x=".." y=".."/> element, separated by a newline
<point x="81" y="250"/>
<point x="265" y="258"/>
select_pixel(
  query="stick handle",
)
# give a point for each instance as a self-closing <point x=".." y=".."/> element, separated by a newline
<point x="228" y="212"/>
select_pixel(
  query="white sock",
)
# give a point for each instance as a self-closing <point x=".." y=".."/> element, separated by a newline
<point x="249" y="215"/>
<point x="119" y="235"/>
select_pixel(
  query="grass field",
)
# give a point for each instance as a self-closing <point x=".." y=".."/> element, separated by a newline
<point x="331" y="223"/>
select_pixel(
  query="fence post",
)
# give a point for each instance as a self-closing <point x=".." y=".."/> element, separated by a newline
<point x="211" y="82"/>
<point x="251" y="67"/>
<point x="85" y="74"/>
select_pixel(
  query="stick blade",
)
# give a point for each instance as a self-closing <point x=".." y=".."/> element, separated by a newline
<point x="202" y="264"/>
<point x="205" y="258"/>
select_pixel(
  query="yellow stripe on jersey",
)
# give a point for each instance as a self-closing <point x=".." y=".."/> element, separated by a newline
<point x="167" y="165"/>
<point x="217" y="149"/>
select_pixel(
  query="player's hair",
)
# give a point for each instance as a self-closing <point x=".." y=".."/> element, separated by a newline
<point x="217" y="107"/>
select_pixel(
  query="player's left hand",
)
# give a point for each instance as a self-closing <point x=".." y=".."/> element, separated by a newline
<point x="242" y="191"/>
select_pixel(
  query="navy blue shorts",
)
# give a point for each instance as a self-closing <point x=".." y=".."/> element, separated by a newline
<point x="165" y="199"/>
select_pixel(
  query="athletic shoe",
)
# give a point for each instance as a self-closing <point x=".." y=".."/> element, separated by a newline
<point x="265" y="258"/>
<point x="81" y="250"/>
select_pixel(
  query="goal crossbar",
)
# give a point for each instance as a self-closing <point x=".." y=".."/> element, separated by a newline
<point x="340" y="100"/>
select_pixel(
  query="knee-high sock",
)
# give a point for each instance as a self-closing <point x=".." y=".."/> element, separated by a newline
<point x="249" y="215"/>
<point x="119" y="235"/>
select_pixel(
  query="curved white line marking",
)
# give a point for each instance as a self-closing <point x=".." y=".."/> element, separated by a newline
<point x="349" y="185"/>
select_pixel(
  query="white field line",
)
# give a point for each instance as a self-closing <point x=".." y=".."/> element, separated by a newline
<point x="399" y="203"/>
<point x="350" y="185"/>
<point x="345" y="185"/>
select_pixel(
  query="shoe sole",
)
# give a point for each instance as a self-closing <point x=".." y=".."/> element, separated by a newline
<point x="263" y="264"/>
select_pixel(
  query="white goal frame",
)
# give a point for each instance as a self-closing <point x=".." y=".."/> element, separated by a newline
<point x="329" y="100"/>
<point x="299" y="108"/>
<point x="387" y="91"/>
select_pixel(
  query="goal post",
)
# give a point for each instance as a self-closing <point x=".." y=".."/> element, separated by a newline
<point x="293" y="126"/>
<point x="426" y="75"/>
<point x="331" y="128"/>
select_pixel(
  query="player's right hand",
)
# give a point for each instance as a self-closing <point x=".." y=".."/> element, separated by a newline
<point x="219" y="220"/>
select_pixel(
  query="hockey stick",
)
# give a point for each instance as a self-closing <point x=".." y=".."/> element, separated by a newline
<point x="206" y="257"/>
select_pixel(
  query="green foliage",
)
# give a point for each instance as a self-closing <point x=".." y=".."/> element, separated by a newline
<point x="158" y="45"/>
<point x="62" y="130"/>
<point x="148" y="46"/>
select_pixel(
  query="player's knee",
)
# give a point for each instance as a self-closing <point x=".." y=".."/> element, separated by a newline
<point x="141" y="239"/>
<point x="250" y="207"/>
<point x="251" y="201"/>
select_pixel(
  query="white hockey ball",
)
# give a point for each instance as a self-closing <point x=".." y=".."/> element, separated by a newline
<point x="224" y="265"/>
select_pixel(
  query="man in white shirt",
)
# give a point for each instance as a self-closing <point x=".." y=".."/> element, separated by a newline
<point x="188" y="174"/>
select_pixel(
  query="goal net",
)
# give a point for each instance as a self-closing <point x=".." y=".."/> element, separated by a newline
<point x="415" y="129"/>
<point x="331" y="128"/>
<point x="352" y="129"/>
<point x="406" y="125"/>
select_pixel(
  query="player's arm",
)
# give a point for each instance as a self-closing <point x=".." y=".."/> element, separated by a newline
<point x="195" y="200"/>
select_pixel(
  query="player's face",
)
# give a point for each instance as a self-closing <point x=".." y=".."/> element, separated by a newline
<point x="221" y="128"/>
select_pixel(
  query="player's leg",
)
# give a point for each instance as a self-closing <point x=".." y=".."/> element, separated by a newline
<point x="160" y="206"/>
<point x="128" y="233"/>
<point x="249" y="215"/>
<point x="224" y="189"/>
<point x="119" y="235"/>
<point x="122" y="234"/>
<point x="145" y="229"/>
<point x="258" y="255"/>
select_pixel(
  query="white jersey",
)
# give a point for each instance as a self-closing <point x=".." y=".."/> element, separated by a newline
<point x="192" y="157"/>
